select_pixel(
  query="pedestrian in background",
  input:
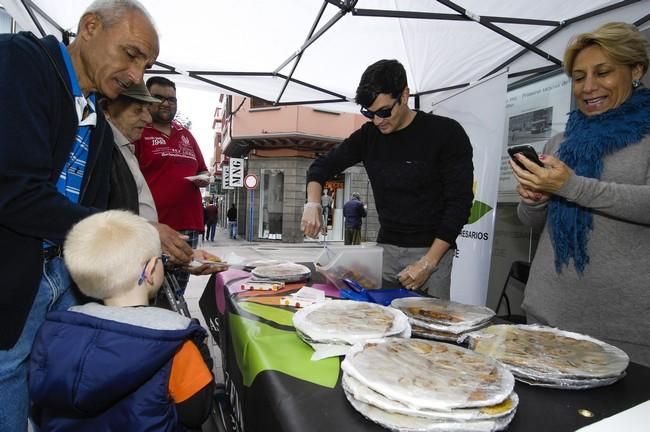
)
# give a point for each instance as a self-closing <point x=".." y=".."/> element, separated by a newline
<point x="353" y="212"/>
<point x="326" y="206"/>
<point x="211" y="217"/>
<point x="232" y="222"/>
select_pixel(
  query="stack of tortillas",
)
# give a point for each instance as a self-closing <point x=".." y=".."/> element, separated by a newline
<point x="285" y="272"/>
<point x="551" y="357"/>
<point x="348" y="322"/>
<point x="433" y="318"/>
<point x="423" y="385"/>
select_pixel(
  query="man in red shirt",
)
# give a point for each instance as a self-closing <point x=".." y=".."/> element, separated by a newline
<point x="169" y="158"/>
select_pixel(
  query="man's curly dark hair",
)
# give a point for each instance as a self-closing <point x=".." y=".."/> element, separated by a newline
<point x="384" y="76"/>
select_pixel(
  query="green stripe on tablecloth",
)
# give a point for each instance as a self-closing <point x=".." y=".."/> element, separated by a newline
<point x="259" y="347"/>
<point x="269" y="313"/>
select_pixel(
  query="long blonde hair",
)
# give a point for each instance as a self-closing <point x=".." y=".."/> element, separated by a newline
<point x="622" y="42"/>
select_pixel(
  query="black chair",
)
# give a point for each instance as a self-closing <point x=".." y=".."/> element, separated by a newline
<point x="519" y="271"/>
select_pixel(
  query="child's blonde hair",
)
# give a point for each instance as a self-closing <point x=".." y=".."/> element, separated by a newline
<point x="106" y="253"/>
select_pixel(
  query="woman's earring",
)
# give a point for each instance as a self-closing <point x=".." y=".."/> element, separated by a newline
<point x="636" y="83"/>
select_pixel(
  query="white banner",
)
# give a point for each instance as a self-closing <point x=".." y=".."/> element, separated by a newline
<point x="534" y="113"/>
<point x="480" y="110"/>
<point x="225" y="177"/>
<point x="236" y="172"/>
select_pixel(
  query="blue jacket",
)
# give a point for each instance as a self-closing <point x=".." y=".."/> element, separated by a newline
<point x="38" y="123"/>
<point x="94" y="374"/>
<point x="353" y="211"/>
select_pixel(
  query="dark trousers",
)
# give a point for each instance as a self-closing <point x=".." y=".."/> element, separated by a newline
<point x="352" y="236"/>
<point x="211" y="228"/>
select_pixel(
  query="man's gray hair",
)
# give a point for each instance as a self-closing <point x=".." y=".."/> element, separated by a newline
<point x="110" y="12"/>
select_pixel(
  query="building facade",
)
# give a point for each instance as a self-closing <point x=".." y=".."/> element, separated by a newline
<point x="278" y="144"/>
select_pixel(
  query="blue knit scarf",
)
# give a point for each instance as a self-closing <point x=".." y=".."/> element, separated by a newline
<point x="587" y="141"/>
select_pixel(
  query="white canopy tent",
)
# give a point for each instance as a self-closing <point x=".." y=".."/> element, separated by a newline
<point x="313" y="51"/>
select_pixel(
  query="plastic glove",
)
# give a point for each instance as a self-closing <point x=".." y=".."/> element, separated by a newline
<point x="416" y="274"/>
<point x="311" y="221"/>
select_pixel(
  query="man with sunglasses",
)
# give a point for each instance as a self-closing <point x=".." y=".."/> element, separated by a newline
<point x="168" y="154"/>
<point x="421" y="172"/>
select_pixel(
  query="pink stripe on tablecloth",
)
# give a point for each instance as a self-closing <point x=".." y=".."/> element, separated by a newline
<point x="221" y="281"/>
<point x="330" y="290"/>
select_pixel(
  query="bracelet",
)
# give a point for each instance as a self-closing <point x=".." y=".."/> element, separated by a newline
<point x="312" y="204"/>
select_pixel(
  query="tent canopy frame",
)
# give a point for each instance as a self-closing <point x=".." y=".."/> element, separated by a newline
<point x="349" y="7"/>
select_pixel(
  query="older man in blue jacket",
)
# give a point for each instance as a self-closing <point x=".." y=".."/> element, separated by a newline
<point x="353" y="212"/>
<point x="55" y="156"/>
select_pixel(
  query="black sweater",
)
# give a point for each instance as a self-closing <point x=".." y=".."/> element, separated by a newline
<point x="421" y="177"/>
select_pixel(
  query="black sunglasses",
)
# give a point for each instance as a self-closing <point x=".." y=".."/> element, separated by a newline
<point x="382" y="113"/>
<point x="171" y="100"/>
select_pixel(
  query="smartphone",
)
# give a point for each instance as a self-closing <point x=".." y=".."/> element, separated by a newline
<point x="528" y="151"/>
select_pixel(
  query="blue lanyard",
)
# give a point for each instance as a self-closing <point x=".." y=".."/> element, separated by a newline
<point x="76" y="90"/>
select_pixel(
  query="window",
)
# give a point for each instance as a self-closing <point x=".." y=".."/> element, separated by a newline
<point x="260" y="103"/>
<point x="272" y="190"/>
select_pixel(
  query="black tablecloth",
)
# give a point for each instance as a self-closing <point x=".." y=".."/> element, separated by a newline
<point x="277" y="401"/>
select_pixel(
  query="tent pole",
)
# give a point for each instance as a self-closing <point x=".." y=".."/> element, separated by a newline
<point x="295" y="64"/>
<point x="33" y="17"/>
<point x="313" y="39"/>
<point x="561" y="26"/>
<point x="641" y="21"/>
<point x="601" y="11"/>
<point x="524" y="51"/>
<point x="500" y="31"/>
<point x="383" y="13"/>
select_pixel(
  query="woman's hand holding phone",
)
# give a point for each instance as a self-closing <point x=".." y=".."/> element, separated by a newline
<point x="527" y="151"/>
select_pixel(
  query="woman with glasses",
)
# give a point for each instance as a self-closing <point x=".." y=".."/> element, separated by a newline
<point x="420" y="168"/>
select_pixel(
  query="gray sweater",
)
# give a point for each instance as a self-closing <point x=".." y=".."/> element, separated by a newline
<point x="611" y="301"/>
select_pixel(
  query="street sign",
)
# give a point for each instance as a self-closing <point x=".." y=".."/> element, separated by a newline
<point x="251" y="181"/>
<point x="225" y="177"/>
<point x="236" y="172"/>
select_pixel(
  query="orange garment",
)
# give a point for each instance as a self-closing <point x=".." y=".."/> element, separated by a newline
<point x="189" y="373"/>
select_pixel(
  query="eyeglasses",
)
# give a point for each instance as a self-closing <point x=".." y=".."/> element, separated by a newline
<point x="382" y="113"/>
<point x="162" y="258"/>
<point x="172" y="99"/>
